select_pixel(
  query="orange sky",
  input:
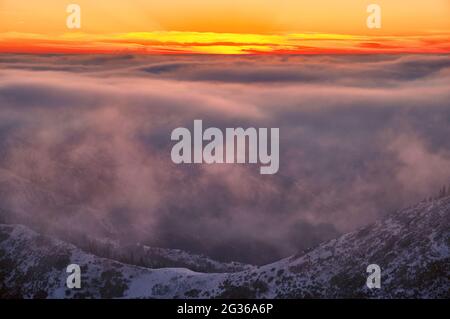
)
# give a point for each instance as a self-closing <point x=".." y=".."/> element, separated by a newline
<point x="225" y="26"/>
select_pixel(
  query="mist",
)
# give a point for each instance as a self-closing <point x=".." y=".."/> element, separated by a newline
<point x="85" y="145"/>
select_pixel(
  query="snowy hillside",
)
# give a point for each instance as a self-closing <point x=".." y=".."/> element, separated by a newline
<point x="411" y="247"/>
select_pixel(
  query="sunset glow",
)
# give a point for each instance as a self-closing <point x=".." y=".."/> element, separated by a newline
<point x="225" y="27"/>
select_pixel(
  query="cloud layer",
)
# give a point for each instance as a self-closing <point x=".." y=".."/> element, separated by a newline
<point x="85" y="144"/>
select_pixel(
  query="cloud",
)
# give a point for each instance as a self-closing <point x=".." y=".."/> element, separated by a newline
<point x="85" y="144"/>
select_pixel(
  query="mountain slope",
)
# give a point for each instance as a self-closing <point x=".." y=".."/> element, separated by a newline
<point x="411" y="247"/>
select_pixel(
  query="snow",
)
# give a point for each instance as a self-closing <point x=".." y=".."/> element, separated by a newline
<point x="411" y="247"/>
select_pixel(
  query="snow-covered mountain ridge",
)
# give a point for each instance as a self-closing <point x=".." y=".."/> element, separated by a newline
<point x="411" y="246"/>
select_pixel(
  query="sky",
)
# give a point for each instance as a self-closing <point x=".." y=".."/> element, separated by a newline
<point x="225" y="26"/>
